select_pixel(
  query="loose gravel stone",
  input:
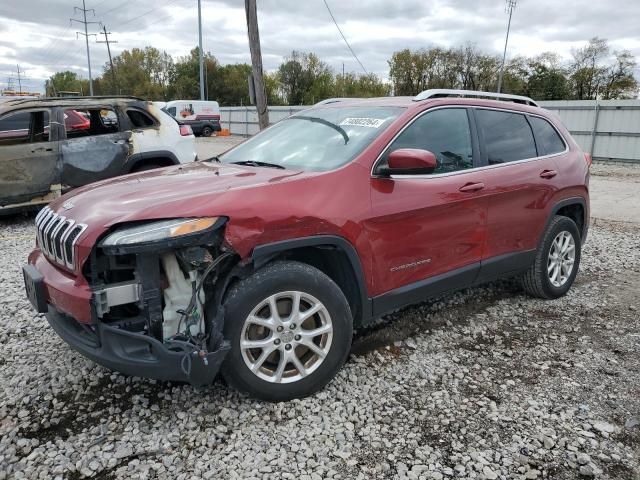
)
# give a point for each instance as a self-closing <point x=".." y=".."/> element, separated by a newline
<point x="485" y="383"/>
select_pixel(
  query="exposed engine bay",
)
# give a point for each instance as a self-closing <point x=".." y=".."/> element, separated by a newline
<point x="169" y="292"/>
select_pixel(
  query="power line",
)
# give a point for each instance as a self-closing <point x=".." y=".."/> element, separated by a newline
<point x="345" y="38"/>
<point x="147" y="13"/>
<point x="84" y="11"/>
<point x="115" y="8"/>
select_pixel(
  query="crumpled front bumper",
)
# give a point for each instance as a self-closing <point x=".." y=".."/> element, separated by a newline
<point x="135" y="353"/>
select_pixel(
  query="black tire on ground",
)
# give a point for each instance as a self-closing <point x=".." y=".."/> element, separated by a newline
<point x="247" y="294"/>
<point x="144" y="168"/>
<point x="207" y="131"/>
<point x="536" y="281"/>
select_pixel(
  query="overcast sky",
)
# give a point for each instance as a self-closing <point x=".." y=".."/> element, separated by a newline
<point x="36" y="33"/>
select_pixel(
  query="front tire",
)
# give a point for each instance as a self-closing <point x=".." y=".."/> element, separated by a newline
<point x="290" y="329"/>
<point x="556" y="262"/>
<point x="207" y="131"/>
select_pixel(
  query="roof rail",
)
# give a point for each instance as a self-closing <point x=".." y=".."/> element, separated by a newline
<point x="441" y="93"/>
<point x="78" y="97"/>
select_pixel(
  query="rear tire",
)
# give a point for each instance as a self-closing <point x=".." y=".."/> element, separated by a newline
<point x="207" y="131"/>
<point x="557" y="260"/>
<point x="295" y="351"/>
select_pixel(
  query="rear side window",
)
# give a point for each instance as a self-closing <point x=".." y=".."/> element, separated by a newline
<point x="549" y="141"/>
<point x="443" y="132"/>
<point x="507" y="136"/>
<point x="24" y="127"/>
<point x="140" y="119"/>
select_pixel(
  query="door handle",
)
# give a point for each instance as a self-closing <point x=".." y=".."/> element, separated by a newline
<point x="471" y="187"/>
<point x="41" y="149"/>
<point x="548" y="174"/>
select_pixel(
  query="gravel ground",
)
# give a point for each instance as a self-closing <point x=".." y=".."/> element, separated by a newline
<point x="486" y="383"/>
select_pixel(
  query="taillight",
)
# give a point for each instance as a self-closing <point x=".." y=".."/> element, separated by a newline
<point x="185" y="130"/>
<point x="587" y="157"/>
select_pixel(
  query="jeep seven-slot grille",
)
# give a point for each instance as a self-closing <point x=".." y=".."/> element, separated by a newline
<point x="57" y="236"/>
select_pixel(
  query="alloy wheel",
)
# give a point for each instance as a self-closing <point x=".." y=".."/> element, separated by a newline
<point x="562" y="255"/>
<point x="286" y="337"/>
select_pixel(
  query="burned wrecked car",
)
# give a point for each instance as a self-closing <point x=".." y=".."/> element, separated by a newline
<point x="49" y="146"/>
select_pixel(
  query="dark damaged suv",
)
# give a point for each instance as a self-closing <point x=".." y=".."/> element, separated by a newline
<point x="263" y="262"/>
<point x="49" y="146"/>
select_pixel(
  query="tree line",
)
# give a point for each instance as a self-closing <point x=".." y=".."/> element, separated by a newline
<point x="594" y="70"/>
<point x="303" y="78"/>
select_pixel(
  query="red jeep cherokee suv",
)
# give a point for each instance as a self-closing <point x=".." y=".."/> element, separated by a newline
<point x="262" y="262"/>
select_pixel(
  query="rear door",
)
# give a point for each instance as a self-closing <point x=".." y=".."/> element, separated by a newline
<point x="93" y="150"/>
<point x="519" y="187"/>
<point x="28" y="156"/>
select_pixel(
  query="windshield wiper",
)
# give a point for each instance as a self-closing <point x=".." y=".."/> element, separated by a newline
<point x="323" y="122"/>
<point x="215" y="158"/>
<point x="255" y="163"/>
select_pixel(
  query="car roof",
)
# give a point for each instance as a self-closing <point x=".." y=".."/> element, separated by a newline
<point x="78" y="102"/>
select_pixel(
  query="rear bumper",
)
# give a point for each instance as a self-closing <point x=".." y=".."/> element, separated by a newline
<point x="135" y="353"/>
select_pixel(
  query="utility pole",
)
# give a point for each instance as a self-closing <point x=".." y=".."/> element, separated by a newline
<point x="200" y="50"/>
<point x="84" y="11"/>
<point x="256" y="63"/>
<point x="106" y="40"/>
<point x="19" y="80"/>
<point x="511" y="5"/>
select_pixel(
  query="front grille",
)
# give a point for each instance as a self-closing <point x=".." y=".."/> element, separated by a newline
<point x="57" y="236"/>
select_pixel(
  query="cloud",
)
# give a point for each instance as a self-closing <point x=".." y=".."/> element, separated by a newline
<point x="37" y="34"/>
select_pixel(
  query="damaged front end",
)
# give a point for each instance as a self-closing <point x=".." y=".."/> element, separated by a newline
<point x="157" y="300"/>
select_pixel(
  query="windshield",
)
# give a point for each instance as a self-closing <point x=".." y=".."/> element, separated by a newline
<point x="318" y="139"/>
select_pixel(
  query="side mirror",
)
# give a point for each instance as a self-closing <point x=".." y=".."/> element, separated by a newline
<point x="410" y="161"/>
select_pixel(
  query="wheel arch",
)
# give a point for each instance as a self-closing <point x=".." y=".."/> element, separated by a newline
<point x="574" y="208"/>
<point x="334" y="256"/>
<point x="163" y="158"/>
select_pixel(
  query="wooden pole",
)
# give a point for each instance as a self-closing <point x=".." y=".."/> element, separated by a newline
<point x="256" y="62"/>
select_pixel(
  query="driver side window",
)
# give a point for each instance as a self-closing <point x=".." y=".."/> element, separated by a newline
<point x="445" y="133"/>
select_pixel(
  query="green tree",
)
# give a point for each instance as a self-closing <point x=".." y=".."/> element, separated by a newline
<point x="586" y="71"/>
<point x="407" y="71"/>
<point x="66" y="81"/>
<point x="619" y="81"/>
<point x="144" y="72"/>
<point x="305" y="79"/>
<point x="547" y="80"/>
<point x="233" y="86"/>
<point x="360" y="86"/>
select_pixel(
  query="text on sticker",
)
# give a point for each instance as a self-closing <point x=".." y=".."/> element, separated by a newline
<point x="363" y="122"/>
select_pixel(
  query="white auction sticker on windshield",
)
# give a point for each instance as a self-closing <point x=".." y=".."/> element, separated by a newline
<point x="363" y="122"/>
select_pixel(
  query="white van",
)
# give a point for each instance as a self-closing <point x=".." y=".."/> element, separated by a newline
<point x="203" y="116"/>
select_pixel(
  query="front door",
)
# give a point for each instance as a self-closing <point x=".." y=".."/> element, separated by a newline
<point x="427" y="231"/>
<point x="28" y="157"/>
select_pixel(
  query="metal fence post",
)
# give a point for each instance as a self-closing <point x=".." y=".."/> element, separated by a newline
<point x="246" y="121"/>
<point x="594" y="132"/>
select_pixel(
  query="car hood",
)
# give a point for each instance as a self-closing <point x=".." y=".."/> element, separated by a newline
<point x="196" y="189"/>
